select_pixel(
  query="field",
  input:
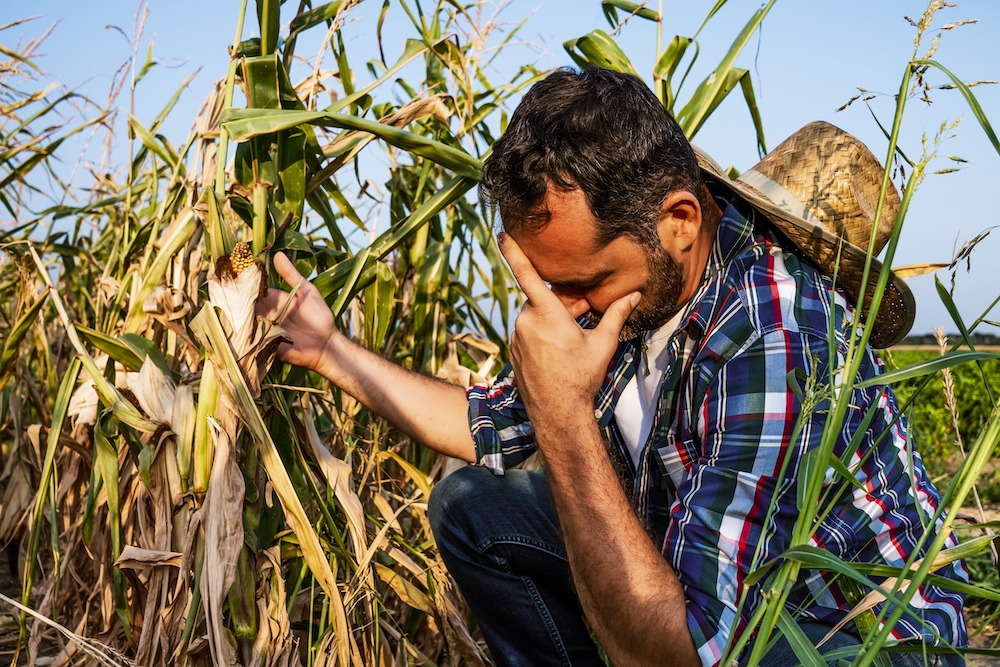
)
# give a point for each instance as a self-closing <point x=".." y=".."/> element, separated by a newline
<point x="933" y="427"/>
<point x="172" y="495"/>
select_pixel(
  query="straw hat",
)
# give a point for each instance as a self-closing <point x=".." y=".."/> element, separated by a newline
<point x="820" y="188"/>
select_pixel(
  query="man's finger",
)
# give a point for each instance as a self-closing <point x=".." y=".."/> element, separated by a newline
<point x="286" y="269"/>
<point x="614" y="317"/>
<point x="527" y="278"/>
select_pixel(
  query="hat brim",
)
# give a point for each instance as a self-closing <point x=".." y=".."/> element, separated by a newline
<point x="834" y="257"/>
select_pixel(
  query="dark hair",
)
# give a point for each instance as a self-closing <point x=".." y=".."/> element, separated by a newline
<point x="602" y="131"/>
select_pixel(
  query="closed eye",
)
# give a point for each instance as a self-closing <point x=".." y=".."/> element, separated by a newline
<point x="583" y="284"/>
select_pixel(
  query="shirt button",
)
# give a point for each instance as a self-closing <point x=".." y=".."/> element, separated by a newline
<point x="597" y="414"/>
<point x="628" y="357"/>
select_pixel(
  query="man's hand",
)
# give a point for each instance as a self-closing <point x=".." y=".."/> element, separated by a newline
<point x="308" y="322"/>
<point x="559" y="365"/>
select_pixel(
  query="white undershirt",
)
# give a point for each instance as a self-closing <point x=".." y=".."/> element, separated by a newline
<point x="637" y="403"/>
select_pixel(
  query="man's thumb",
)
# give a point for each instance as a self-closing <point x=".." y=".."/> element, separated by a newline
<point x="616" y="314"/>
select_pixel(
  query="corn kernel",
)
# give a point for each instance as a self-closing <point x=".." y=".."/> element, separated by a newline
<point x="241" y="258"/>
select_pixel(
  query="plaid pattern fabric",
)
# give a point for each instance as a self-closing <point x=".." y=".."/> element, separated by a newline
<point x="721" y="452"/>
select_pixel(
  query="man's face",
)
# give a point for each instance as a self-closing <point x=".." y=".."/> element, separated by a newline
<point x="588" y="279"/>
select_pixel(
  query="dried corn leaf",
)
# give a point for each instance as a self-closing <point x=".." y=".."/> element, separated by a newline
<point x="274" y="646"/>
<point x="338" y="475"/>
<point x="914" y="270"/>
<point x="419" y="109"/>
<point x="406" y="591"/>
<point x="137" y="558"/>
<point x="207" y="326"/>
<point x="154" y="391"/>
<point x="222" y="519"/>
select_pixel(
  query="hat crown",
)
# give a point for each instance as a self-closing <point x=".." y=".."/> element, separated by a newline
<point x="820" y="188"/>
<point x="837" y="180"/>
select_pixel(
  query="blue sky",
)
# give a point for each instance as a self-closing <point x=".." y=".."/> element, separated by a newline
<point x="808" y="60"/>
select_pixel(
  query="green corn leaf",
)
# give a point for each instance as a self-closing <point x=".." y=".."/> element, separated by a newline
<point x="145" y="348"/>
<point x="150" y="142"/>
<point x="357" y="263"/>
<point x="797" y="640"/>
<point x="345" y="207"/>
<point x="597" y="48"/>
<point x="90" y="506"/>
<point x="845" y="472"/>
<point x="17" y="56"/>
<point x="346" y="78"/>
<point x="313" y="17"/>
<point x="290" y="196"/>
<point x="632" y="8"/>
<point x="146" y="66"/>
<point x="712" y="12"/>
<point x="16" y="336"/>
<point x="667" y="64"/>
<point x="244" y="124"/>
<point x="921" y="368"/>
<point x="107" y="460"/>
<point x="378" y="30"/>
<point x="321" y="206"/>
<point x="330" y="280"/>
<point x="379" y="306"/>
<point x="220" y="235"/>
<point x="413" y="49"/>
<point x="111" y="346"/>
<point x="746" y="85"/>
<point x="269" y="16"/>
<point x="485" y="322"/>
<point x="952" y="309"/>
<point x="168" y="107"/>
<point x="815" y="558"/>
<point x="705" y="98"/>
<point x="181" y="230"/>
<point x="59" y="410"/>
<point x="262" y="82"/>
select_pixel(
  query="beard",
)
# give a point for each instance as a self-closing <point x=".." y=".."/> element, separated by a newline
<point x="659" y="296"/>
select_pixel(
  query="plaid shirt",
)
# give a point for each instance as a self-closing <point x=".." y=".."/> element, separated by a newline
<point x="722" y="432"/>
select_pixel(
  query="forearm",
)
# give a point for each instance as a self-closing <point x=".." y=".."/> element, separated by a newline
<point x="428" y="410"/>
<point x="630" y="594"/>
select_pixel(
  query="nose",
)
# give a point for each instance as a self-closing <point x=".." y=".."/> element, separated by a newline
<point x="574" y="300"/>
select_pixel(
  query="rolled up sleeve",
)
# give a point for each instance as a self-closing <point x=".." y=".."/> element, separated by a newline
<point x="502" y="433"/>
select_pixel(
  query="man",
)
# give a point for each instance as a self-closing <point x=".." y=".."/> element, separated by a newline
<point x="650" y="365"/>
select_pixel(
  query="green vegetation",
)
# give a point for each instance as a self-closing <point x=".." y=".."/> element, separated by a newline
<point x="930" y="421"/>
<point x="178" y="498"/>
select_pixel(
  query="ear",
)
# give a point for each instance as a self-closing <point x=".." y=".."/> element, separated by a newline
<point x="680" y="222"/>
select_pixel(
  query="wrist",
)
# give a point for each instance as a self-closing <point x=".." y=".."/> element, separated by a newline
<point x="555" y="426"/>
<point x="333" y="350"/>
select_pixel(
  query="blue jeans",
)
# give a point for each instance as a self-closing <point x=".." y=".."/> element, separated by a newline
<point x="500" y="538"/>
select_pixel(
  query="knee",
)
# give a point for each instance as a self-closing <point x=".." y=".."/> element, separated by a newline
<point x="453" y="495"/>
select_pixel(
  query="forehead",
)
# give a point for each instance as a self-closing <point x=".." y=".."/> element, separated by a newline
<point x="560" y="240"/>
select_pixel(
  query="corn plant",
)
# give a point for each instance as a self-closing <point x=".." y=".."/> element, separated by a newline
<point x="675" y="62"/>
<point x="180" y="499"/>
<point x="222" y="510"/>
